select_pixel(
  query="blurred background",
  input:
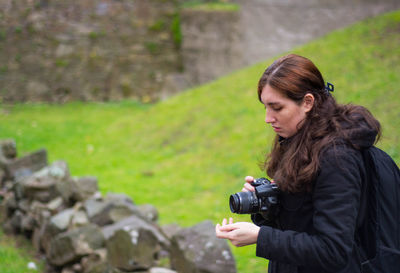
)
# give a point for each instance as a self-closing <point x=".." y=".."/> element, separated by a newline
<point x="157" y="98"/>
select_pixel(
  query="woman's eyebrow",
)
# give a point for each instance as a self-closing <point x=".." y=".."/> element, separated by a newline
<point x="272" y="103"/>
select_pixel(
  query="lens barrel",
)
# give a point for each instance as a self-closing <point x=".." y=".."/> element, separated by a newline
<point x="243" y="202"/>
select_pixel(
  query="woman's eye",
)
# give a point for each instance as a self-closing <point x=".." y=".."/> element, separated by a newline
<point x="277" y="109"/>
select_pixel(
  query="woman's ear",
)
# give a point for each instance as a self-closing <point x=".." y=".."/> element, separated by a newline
<point x="308" y="102"/>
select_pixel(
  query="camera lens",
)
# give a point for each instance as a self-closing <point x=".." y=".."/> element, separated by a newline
<point x="243" y="202"/>
<point x="234" y="203"/>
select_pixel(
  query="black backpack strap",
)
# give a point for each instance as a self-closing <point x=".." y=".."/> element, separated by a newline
<point x="381" y="224"/>
<point x="366" y="220"/>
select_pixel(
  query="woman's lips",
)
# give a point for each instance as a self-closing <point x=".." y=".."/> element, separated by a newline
<point x="276" y="129"/>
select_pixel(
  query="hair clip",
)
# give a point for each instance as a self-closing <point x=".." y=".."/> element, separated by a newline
<point x="329" y="87"/>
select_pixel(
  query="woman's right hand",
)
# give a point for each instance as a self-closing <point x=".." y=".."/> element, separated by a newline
<point x="247" y="186"/>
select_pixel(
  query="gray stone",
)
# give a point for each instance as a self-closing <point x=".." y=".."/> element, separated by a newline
<point x="8" y="184"/>
<point x="27" y="223"/>
<point x="16" y="220"/>
<point x="197" y="250"/>
<point x="45" y="234"/>
<point x="135" y="223"/>
<point x="36" y="239"/>
<point x="65" y="220"/>
<point x="117" y="213"/>
<point x="79" y="219"/>
<point x="93" y="207"/>
<point x="149" y="212"/>
<point x="64" y="50"/>
<point x="8" y="227"/>
<point x="48" y="183"/>
<point x="119" y="198"/>
<point x="110" y="210"/>
<point x="40" y="211"/>
<point x="67" y="270"/>
<point x="77" y="267"/>
<point x="132" y="248"/>
<point x="171" y="230"/>
<point x="24" y="205"/>
<point x="3" y="175"/>
<point x="95" y="262"/>
<point x="161" y="270"/>
<point x="10" y="203"/>
<point x="37" y="21"/>
<point x="55" y="204"/>
<point x="3" y="211"/>
<point x="84" y="187"/>
<point x="26" y="165"/>
<point x="71" y="246"/>
<point x="37" y="90"/>
<point x="8" y="149"/>
<point x="61" y="220"/>
<point x="54" y="226"/>
<point x="103" y="268"/>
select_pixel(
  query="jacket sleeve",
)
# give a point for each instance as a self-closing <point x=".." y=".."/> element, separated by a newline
<point x="336" y="199"/>
<point x="262" y="220"/>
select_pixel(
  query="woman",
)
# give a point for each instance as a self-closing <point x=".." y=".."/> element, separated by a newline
<point x="317" y="163"/>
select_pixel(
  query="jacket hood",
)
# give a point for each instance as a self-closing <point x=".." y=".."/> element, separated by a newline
<point x="358" y="132"/>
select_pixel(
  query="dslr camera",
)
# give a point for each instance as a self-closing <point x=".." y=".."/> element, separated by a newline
<point x="263" y="199"/>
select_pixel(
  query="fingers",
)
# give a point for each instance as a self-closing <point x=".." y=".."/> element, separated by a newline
<point x="247" y="187"/>
<point x="239" y="234"/>
<point x="222" y="231"/>
<point x="219" y="233"/>
<point x="249" y="179"/>
<point x="228" y="228"/>
<point x="224" y="222"/>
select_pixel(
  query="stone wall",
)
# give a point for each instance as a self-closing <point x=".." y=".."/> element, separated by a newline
<point x="103" y="50"/>
<point x="211" y="47"/>
<point x="63" y="50"/>
<point x="77" y="230"/>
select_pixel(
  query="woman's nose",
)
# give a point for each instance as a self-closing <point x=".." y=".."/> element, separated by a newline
<point x="268" y="117"/>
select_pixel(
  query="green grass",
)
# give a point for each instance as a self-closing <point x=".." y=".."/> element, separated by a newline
<point x="187" y="154"/>
<point x="15" y="254"/>
<point x="210" y="6"/>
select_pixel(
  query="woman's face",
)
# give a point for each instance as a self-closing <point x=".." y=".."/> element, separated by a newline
<point x="284" y="114"/>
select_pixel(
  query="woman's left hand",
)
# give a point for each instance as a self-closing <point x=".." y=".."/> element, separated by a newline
<point x="240" y="233"/>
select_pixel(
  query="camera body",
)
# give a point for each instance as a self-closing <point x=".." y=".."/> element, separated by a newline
<point x="263" y="199"/>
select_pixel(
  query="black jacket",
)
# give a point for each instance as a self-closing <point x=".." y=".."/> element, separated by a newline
<point x="315" y="231"/>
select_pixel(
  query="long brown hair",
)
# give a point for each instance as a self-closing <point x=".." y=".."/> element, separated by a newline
<point x="294" y="162"/>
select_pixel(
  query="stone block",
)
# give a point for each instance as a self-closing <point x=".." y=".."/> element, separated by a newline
<point x="8" y="149"/>
<point x="197" y="250"/>
<point x="132" y="249"/>
<point x="26" y="165"/>
<point x="161" y="270"/>
<point x="48" y="183"/>
<point x="71" y="246"/>
<point x="84" y="187"/>
<point x="135" y="223"/>
<point x="109" y="211"/>
<point x="149" y="212"/>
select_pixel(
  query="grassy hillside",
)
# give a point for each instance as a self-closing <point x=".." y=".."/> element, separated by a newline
<point x="186" y="155"/>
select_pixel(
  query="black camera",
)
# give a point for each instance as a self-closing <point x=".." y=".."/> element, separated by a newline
<point x="262" y="199"/>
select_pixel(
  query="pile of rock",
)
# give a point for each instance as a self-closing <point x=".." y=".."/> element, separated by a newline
<point x="79" y="231"/>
